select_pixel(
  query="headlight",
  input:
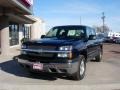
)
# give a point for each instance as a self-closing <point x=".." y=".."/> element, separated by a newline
<point x="65" y="54"/>
<point x="65" y="48"/>
<point x="23" y="46"/>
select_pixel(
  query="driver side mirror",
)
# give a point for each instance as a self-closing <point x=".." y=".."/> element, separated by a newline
<point x="42" y="36"/>
<point x="92" y="37"/>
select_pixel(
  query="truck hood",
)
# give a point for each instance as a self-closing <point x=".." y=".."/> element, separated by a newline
<point x="52" y="41"/>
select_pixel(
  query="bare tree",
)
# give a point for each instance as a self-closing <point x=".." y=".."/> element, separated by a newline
<point x="99" y="29"/>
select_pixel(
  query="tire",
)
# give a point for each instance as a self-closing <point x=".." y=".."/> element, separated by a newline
<point x="98" y="58"/>
<point x="79" y="75"/>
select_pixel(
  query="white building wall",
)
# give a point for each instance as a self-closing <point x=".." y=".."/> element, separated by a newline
<point x="37" y="29"/>
<point x="20" y="33"/>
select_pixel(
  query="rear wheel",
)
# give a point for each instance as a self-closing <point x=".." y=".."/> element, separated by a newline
<point x="98" y="58"/>
<point x="79" y="75"/>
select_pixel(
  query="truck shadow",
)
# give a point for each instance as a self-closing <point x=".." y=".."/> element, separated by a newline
<point x="12" y="67"/>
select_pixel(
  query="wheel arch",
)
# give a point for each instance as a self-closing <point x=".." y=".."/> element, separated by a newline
<point x="84" y="53"/>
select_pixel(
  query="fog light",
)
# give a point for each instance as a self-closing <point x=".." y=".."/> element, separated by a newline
<point x="63" y="55"/>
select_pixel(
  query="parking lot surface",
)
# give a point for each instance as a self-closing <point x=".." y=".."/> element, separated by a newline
<point x="105" y="74"/>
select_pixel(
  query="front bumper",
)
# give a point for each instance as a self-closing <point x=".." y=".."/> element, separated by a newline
<point x="67" y="68"/>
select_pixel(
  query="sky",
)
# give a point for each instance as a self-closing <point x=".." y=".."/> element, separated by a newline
<point x="75" y="12"/>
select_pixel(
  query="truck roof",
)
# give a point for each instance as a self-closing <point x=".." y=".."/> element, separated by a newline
<point x="73" y="26"/>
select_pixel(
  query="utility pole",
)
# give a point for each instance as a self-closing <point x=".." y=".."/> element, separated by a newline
<point x="103" y="20"/>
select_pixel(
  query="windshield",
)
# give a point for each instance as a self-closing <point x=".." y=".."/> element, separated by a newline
<point x="66" y="32"/>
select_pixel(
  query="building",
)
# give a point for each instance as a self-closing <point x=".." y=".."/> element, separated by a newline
<point x="37" y="28"/>
<point x="15" y="23"/>
<point x="32" y="31"/>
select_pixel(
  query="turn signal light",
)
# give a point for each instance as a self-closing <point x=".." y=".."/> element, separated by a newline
<point x="70" y="55"/>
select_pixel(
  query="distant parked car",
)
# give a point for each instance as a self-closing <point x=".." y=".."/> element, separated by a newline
<point x="114" y="39"/>
<point x="101" y="37"/>
<point x="118" y="40"/>
<point x="107" y="39"/>
<point x="111" y="39"/>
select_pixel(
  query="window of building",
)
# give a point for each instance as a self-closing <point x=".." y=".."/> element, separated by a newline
<point x="26" y="32"/>
<point x="14" y="34"/>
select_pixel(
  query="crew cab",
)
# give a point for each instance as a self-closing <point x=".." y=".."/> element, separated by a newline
<point x="63" y="50"/>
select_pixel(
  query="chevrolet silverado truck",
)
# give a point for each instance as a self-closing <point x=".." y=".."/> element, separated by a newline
<point x="63" y="50"/>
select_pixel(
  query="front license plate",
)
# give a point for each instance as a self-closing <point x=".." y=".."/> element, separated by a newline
<point x="38" y="66"/>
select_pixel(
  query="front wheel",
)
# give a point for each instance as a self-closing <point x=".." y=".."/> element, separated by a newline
<point x="79" y="75"/>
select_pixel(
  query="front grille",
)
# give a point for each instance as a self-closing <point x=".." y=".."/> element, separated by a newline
<point x="42" y="47"/>
<point x="40" y="54"/>
<point x="32" y="58"/>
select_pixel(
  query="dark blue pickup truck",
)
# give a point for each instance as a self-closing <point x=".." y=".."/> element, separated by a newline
<point x="64" y="49"/>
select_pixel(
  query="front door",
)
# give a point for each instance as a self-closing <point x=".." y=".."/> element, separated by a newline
<point x="91" y="44"/>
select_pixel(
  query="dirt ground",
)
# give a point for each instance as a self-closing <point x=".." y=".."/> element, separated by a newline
<point x="111" y="51"/>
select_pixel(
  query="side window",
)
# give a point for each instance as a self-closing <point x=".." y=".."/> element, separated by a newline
<point x="93" y="31"/>
<point x="89" y="32"/>
<point x="71" y="33"/>
<point x="52" y="33"/>
<point x="62" y="32"/>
